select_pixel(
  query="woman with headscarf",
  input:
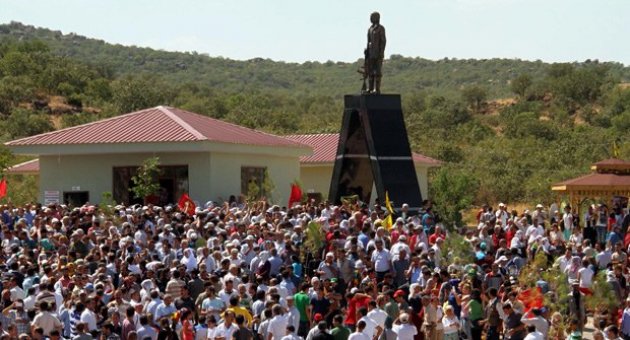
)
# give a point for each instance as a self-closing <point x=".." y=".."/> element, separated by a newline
<point x="572" y="269"/>
<point x="147" y="286"/>
<point x="517" y="240"/>
<point x="189" y="260"/>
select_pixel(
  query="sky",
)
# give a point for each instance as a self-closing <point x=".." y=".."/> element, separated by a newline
<point x="322" y="30"/>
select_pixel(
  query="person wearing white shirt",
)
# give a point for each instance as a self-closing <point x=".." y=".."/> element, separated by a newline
<point x="604" y="257"/>
<point x="376" y="313"/>
<point x="371" y="328"/>
<point x="533" y="334"/>
<point x="402" y="328"/>
<point x="538" y="321"/>
<point x="46" y="320"/>
<point x="225" y="330"/>
<point x="450" y="324"/>
<point x="88" y="316"/>
<point x="359" y="334"/>
<point x="293" y="313"/>
<point x="146" y="331"/>
<point x="565" y="260"/>
<point x="278" y="324"/>
<point x="400" y="245"/>
<point x="291" y="334"/>
<point x="585" y="275"/>
<point x="381" y="259"/>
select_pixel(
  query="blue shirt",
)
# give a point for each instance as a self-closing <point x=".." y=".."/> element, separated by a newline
<point x="297" y="269"/>
<point x="614" y="238"/>
<point x="363" y="238"/>
<point x="625" y="322"/>
<point x="163" y="310"/>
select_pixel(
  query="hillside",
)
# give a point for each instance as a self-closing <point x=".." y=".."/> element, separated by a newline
<point x="403" y="75"/>
<point x="506" y="129"/>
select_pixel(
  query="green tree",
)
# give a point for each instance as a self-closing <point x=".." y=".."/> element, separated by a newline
<point x="520" y="84"/>
<point x="268" y="186"/>
<point x="474" y="96"/>
<point x="452" y="191"/>
<point x="6" y="158"/>
<point x="622" y="122"/>
<point x="137" y="93"/>
<point x="145" y="180"/>
<point x="24" y="123"/>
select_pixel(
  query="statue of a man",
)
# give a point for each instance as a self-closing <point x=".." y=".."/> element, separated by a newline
<point x="375" y="53"/>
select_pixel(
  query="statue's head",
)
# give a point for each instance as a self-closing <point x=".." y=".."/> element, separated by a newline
<point x="375" y="17"/>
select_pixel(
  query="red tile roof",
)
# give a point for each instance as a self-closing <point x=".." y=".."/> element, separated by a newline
<point x="28" y="167"/>
<point x="597" y="179"/>
<point x="325" y="149"/>
<point x="612" y="161"/>
<point x="157" y="124"/>
<point x="612" y="165"/>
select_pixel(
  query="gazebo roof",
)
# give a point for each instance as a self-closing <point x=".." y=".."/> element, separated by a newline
<point x="610" y="178"/>
<point x="594" y="181"/>
<point x="612" y="165"/>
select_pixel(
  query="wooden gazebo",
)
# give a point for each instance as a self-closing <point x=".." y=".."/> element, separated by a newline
<point x="610" y="179"/>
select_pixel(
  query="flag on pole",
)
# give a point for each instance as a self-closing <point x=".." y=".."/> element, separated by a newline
<point x="186" y="204"/>
<point x="296" y="195"/>
<point x="3" y="187"/>
<point x="388" y="222"/>
<point x="531" y="298"/>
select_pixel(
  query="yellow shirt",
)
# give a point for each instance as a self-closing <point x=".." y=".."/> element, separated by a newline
<point x="238" y="310"/>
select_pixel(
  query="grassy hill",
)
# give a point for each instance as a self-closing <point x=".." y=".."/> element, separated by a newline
<point x="505" y="128"/>
<point x="402" y="74"/>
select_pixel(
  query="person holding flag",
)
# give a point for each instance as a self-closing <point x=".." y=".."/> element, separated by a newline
<point x="186" y="205"/>
<point x="295" y="196"/>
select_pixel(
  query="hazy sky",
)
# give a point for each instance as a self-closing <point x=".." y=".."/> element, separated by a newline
<point x="294" y="30"/>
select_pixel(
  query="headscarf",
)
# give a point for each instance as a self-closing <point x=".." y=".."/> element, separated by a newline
<point x="189" y="260"/>
<point x="147" y="285"/>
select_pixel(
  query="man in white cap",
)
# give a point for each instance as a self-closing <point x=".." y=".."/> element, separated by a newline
<point x="398" y="246"/>
<point x="502" y="214"/>
<point x="403" y="329"/>
<point x="539" y="215"/>
<point x="328" y="268"/>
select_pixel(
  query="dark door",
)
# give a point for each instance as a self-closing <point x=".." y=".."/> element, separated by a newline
<point x="76" y="198"/>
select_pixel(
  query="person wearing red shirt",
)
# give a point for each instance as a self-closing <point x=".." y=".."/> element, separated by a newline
<point x="398" y="231"/>
<point x="437" y="234"/>
<point x="356" y="300"/>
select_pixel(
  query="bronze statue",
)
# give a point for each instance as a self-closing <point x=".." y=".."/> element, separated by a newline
<point x="374" y="55"/>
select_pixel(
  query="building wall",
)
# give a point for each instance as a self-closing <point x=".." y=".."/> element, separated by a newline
<point x="93" y="173"/>
<point x="316" y="178"/>
<point x="226" y="174"/>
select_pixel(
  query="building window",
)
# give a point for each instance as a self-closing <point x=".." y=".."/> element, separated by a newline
<point x="173" y="183"/>
<point x="252" y="181"/>
<point x="76" y="198"/>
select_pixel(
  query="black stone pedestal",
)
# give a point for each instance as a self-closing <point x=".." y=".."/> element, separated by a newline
<point x="374" y="149"/>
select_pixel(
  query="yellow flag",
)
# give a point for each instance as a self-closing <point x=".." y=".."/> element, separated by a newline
<point x="388" y="222"/>
<point x="388" y="204"/>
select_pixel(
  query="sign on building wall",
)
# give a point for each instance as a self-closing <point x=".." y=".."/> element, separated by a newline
<point x="51" y="196"/>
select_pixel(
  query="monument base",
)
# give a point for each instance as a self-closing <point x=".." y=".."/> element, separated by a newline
<point x="374" y="150"/>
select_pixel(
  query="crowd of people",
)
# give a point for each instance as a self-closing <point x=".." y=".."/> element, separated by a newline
<point x="315" y="271"/>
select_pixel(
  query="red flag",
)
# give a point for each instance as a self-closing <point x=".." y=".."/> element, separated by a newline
<point x="296" y="195"/>
<point x="3" y="187"/>
<point x="531" y="298"/>
<point x="186" y="204"/>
